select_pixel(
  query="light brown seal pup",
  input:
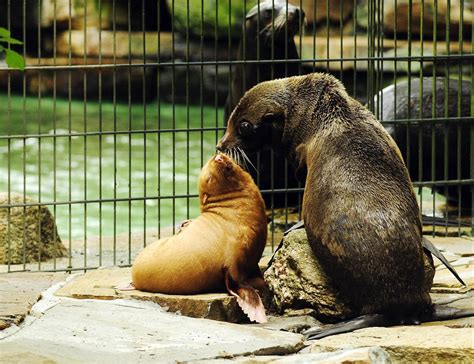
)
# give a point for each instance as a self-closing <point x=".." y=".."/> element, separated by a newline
<point x="360" y="212"/>
<point x="220" y="249"/>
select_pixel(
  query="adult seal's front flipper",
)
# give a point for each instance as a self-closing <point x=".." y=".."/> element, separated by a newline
<point x="428" y="245"/>
<point x="298" y="225"/>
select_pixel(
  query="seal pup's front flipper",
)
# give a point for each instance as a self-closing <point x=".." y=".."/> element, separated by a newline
<point x="428" y="245"/>
<point x="247" y="298"/>
<point x="125" y="287"/>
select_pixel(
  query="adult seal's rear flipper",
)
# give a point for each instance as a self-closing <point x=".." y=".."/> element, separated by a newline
<point x="428" y="245"/>
<point x="247" y="298"/>
<point x="358" y="323"/>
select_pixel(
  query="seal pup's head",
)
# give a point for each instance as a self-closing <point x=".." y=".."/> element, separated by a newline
<point x="221" y="175"/>
<point x="273" y="15"/>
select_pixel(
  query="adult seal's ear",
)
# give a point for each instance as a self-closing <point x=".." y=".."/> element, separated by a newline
<point x="274" y="124"/>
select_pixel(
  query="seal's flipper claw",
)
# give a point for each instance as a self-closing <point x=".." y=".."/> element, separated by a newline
<point x="248" y="299"/>
<point x="360" y="322"/>
<point x="428" y="245"/>
<point x="125" y="287"/>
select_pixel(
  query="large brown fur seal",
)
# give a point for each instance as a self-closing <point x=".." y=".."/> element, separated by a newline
<point x="220" y="249"/>
<point x="360" y="212"/>
<point x="268" y="34"/>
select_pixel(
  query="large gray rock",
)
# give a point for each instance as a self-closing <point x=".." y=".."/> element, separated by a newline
<point x="27" y="234"/>
<point x="297" y="280"/>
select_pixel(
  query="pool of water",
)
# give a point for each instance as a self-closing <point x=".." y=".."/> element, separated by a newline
<point x="63" y="151"/>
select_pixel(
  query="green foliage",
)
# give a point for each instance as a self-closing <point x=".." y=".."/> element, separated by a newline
<point x="13" y="59"/>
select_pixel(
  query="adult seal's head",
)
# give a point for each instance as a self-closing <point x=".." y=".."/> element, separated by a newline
<point x="268" y="34"/>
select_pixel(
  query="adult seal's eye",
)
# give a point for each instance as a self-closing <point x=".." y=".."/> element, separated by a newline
<point x="246" y="128"/>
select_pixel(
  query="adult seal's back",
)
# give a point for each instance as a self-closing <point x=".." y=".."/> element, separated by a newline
<point x="360" y="212"/>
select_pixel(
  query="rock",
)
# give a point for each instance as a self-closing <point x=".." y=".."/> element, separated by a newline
<point x="101" y="283"/>
<point x="445" y="279"/>
<point x="396" y="18"/>
<point x="27" y="234"/>
<point x="19" y="291"/>
<point x="462" y="246"/>
<point x="291" y="324"/>
<point x="349" y="356"/>
<point x="135" y="332"/>
<point x="202" y="17"/>
<point x="408" y="343"/>
<point x="316" y="11"/>
<point x="297" y="281"/>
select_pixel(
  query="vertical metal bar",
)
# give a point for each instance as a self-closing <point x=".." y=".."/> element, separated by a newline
<point x="158" y="105"/>
<point x="144" y="84"/>
<point x="40" y="243"/>
<point x="446" y="106"/>
<point x="410" y="19"/>
<point x="434" y="114"/>
<point x="420" y="111"/>
<point x="187" y="109"/>
<point x="314" y="36"/>
<point x="129" y="75"/>
<point x="327" y="35"/>
<point x="24" y="142"/>
<point x="471" y="138"/>
<point x="216" y="58"/>
<point x="354" y="21"/>
<point x="459" y="113"/>
<point x="100" y="135"/>
<point x="201" y="83"/>
<point x="9" y="113"/>
<point x="55" y="235"/>
<point x="85" y="134"/>
<point x="114" y="100"/>
<point x="173" y="106"/>
<point x="69" y="93"/>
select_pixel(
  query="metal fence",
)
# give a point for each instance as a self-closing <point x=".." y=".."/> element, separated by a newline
<point x="121" y="102"/>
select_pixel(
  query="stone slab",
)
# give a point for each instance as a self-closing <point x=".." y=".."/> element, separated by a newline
<point x="101" y="283"/>
<point x="19" y="291"/>
<point x="444" y="279"/>
<point x="130" y="332"/>
<point x="350" y="356"/>
<point x="462" y="246"/>
<point x="408" y="343"/>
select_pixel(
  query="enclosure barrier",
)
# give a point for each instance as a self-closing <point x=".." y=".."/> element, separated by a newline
<point x="103" y="134"/>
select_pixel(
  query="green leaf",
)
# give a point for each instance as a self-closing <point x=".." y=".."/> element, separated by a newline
<point x="1" y="49"/>
<point x="14" y="59"/>
<point x="10" y="40"/>
<point x="4" y="33"/>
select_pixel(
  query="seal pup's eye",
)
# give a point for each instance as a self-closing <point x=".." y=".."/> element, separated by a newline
<point x="246" y="128"/>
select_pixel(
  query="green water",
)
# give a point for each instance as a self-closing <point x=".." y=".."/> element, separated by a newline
<point x="146" y="168"/>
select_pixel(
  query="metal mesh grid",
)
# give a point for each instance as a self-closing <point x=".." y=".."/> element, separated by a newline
<point x="122" y="102"/>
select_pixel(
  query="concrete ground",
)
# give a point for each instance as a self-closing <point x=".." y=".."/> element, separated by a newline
<point x="61" y="318"/>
